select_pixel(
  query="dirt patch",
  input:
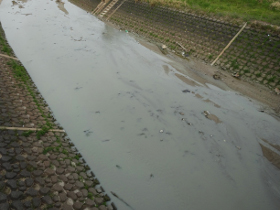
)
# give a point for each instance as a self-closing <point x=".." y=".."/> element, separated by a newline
<point x="209" y="101"/>
<point x="273" y="145"/>
<point x="186" y="80"/>
<point x="271" y="156"/>
<point x="60" y="6"/>
<point x="212" y="117"/>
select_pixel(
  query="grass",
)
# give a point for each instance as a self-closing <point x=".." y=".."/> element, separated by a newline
<point x="247" y="10"/>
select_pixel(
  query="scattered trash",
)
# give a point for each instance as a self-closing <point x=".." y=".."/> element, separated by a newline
<point x="181" y="113"/>
<point x="87" y="132"/>
<point x="183" y="119"/>
<point x="236" y="75"/>
<point x="185" y="54"/>
<point x="161" y="131"/>
<point x="211" y="117"/>
<point x="126" y="31"/>
<point x="239" y="148"/>
<point x="163" y="47"/>
<point x="277" y="91"/>
<point x="105" y="140"/>
<point x="186" y="91"/>
<point x="216" y="77"/>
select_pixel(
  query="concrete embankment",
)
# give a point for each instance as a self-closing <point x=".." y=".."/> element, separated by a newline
<point x="254" y="55"/>
<point x="43" y="169"/>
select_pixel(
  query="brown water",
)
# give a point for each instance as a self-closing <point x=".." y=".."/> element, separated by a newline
<point x="148" y="141"/>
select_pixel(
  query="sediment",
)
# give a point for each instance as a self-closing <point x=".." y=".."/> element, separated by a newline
<point x="254" y="55"/>
<point x="42" y="169"/>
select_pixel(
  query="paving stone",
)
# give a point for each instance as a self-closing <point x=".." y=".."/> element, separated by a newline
<point x="93" y="191"/>
<point x="49" y="171"/>
<point x="55" y="162"/>
<point x="10" y="175"/>
<point x="59" y="170"/>
<point x="7" y="166"/>
<point x="36" y="202"/>
<point x="65" y="206"/>
<point x="83" y="174"/>
<point x="20" y="158"/>
<point x="3" y="197"/>
<point x="40" y="181"/>
<point x="22" y="165"/>
<point x="42" y="157"/>
<point x="2" y="185"/>
<point x="47" y="199"/>
<point x="79" y="194"/>
<point x="32" y="192"/>
<point x="12" y="184"/>
<point x="44" y="190"/>
<point x="25" y="173"/>
<point x="99" y="201"/>
<point x="17" y="205"/>
<point x="16" y="195"/>
<point x="90" y="202"/>
<point x="54" y="179"/>
<point x="37" y="173"/>
<point x="89" y="183"/>
<point x="79" y="184"/>
<point x="47" y="163"/>
<point x="68" y="186"/>
<point x="29" y="182"/>
<point x="84" y="192"/>
<point x="56" y="198"/>
<point x="72" y="195"/>
<point x="63" y="196"/>
<point x="57" y="187"/>
<point x="70" y="169"/>
<point x="63" y="178"/>
<point x="4" y="206"/>
<point x="27" y="204"/>
<point x="77" y="205"/>
<point x="57" y="205"/>
<point x="102" y="207"/>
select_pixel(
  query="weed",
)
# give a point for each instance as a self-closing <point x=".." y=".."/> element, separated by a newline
<point x="90" y="196"/>
<point x="47" y="149"/>
<point x="27" y="133"/>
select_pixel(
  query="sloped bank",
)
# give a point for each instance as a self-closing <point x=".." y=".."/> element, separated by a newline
<point x="255" y="54"/>
<point x="42" y="169"/>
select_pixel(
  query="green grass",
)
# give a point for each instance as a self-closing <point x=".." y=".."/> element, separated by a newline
<point x="247" y="10"/>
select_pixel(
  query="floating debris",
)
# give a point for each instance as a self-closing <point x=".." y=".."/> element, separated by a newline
<point x="216" y="77"/>
<point x="161" y="131"/>
<point x="186" y="91"/>
<point x="105" y="140"/>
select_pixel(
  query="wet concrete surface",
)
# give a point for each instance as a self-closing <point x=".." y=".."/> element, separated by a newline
<point x="141" y="129"/>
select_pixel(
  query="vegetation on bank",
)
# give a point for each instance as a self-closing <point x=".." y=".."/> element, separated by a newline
<point x="247" y="10"/>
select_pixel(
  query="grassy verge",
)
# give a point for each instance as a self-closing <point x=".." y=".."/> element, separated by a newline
<point x="247" y="10"/>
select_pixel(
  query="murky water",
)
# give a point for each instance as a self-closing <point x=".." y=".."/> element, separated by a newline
<point x="147" y="141"/>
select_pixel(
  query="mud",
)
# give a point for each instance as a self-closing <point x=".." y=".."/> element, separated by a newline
<point x="272" y="156"/>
